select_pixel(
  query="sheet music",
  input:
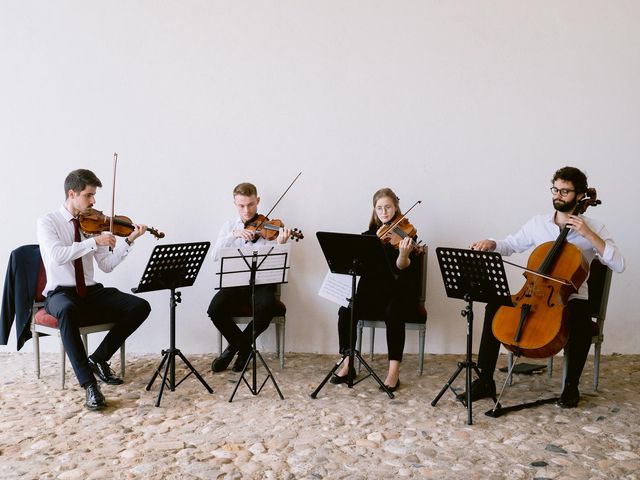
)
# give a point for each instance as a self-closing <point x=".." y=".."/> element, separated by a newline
<point x="337" y="288"/>
<point x="232" y="269"/>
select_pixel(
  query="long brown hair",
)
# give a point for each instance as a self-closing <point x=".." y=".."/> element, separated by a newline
<point x="383" y="192"/>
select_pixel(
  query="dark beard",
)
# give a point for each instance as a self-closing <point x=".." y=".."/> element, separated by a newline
<point x="565" y="206"/>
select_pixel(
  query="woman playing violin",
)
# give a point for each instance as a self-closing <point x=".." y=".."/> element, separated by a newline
<point x="236" y="233"/>
<point x="392" y="301"/>
<point x="568" y="187"/>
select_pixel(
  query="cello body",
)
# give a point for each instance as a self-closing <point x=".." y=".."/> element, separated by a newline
<point x="537" y="325"/>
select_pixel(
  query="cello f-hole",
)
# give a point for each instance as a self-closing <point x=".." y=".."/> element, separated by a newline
<point x="550" y="302"/>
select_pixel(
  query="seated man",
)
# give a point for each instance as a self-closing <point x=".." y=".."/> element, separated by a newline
<point x="71" y="291"/>
<point x="235" y="234"/>
<point x="569" y="185"/>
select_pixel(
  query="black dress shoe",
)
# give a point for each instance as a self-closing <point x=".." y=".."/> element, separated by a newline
<point x="94" y="398"/>
<point x="337" y="379"/>
<point x="103" y="372"/>
<point x="392" y="389"/>
<point x="238" y="365"/>
<point x="570" y="397"/>
<point x="480" y="388"/>
<point x="222" y="362"/>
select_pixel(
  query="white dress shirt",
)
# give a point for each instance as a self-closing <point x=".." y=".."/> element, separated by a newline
<point x="58" y="250"/>
<point x="226" y="238"/>
<point x="542" y="228"/>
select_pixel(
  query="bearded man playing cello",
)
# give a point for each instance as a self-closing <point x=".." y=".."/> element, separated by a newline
<point x="569" y="186"/>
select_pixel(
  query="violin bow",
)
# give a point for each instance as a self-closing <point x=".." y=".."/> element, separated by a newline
<point x="403" y="216"/>
<point x="113" y="194"/>
<point x="548" y="277"/>
<point x="282" y="196"/>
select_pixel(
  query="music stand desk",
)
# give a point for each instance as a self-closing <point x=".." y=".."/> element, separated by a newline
<point x="171" y="267"/>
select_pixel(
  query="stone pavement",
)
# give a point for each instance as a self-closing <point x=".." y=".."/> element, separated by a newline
<point x="358" y="433"/>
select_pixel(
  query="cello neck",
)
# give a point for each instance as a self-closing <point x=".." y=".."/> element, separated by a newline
<point x="581" y="206"/>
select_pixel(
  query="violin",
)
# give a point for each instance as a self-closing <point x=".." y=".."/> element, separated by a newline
<point x="94" y="222"/>
<point x="536" y="326"/>
<point x="261" y="226"/>
<point x="394" y="231"/>
<point x="269" y="229"/>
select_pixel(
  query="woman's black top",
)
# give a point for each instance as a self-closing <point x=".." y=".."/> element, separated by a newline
<point x="403" y="284"/>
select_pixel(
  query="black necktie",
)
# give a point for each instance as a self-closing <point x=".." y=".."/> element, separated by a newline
<point x="81" y="287"/>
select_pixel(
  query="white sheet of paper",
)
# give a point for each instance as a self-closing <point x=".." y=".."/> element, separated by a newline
<point x="337" y="288"/>
<point x="236" y="273"/>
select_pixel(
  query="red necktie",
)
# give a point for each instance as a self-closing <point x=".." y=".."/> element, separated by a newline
<point x="81" y="287"/>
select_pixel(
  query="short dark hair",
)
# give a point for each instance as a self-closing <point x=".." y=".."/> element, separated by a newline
<point x="573" y="175"/>
<point x="79" y="179"/>
<point x="245" y="189"/>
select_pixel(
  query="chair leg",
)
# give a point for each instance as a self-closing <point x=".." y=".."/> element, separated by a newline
<point x="359" y="340"/>
<point x="421" y="335"/>
<point x="282" y="348"/>
<point x="372" y="340"/>
<point x="596" y="365"/>
<point x="280" y="340"/>
<point x="62" y="364"/>
<point x="565" y="368"/>
<point x="122" y="355"/>
<point x="550" y="367"/>
<point x="36" y="351"/>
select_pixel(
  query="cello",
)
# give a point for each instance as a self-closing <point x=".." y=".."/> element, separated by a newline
<point x="537" y="325"/>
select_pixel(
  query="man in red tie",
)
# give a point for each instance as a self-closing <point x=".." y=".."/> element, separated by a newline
<point x="71" y="291"/>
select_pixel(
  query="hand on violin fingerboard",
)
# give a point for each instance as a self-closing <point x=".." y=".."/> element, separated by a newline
<point x="283" y="235"/>
<point x="405" y="246"/>
<point x="138" y="231"/>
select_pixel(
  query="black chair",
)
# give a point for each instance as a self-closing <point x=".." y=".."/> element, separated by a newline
<point x="43" y="323"/>
<point x="416" y="322"/>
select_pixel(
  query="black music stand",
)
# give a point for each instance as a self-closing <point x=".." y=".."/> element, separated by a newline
<point x="355" y="255"/>
<point x="473" y="276"/>
<point x="272" y="272"/>
<point x="171" y="267"/>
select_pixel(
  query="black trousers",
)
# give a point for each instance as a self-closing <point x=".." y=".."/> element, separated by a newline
<point x="227" y="300"/>
<point x="105" y="305"/>
<point x="577" y="347"/>
<point x="392" y="311"/>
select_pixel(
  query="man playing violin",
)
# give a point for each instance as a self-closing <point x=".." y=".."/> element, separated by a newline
<point x="236" y="234"/>
<point x="569" y="185"/>
<point x="72" y="293"/>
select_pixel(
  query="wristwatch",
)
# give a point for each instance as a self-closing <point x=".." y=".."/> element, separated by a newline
<point x="127" y="241"/>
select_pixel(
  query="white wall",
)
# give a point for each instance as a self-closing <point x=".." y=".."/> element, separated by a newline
<point x="467" y="106"/>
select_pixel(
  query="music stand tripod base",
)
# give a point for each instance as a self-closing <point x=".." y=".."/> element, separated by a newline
<point x="471" y="275"/>
<point x="171" y="267"/>
<point x="276" y="271"/>
<point x="354" y="255"/>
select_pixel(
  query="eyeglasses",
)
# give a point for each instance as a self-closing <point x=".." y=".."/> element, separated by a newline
<point x="562" y="191"/>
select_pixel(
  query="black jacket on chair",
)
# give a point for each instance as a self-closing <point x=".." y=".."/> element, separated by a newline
<point x="19" y="292"/>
